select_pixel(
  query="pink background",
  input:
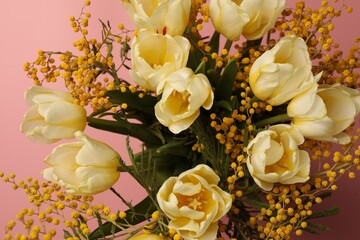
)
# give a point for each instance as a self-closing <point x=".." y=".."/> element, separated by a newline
<point x="27" y="26"/>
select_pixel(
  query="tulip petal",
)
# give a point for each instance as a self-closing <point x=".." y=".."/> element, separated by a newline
<point x="66" y="178"/>
<point x="95" y="180"/>
<point x="64" y="155"/>
<point x="187" y="189"/>
<point x="95" y="153"/>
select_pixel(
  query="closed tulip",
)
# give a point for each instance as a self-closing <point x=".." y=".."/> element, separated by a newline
<point x="194" y="203"/>
<point x="84" y="167"/>
<point x="150" y="69"/>
<point x="327" y="109"/>
<point x="52" y="115"/>
<point x="183" y="95"/>
<point x="274" y="157"/>
<point x="283" y="72"/>
<point x="228" y="18"/>
<point x="162" y="16"/>
<point x="263" y="15"/>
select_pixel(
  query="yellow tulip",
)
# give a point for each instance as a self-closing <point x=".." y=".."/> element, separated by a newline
<point x="52" y="115"/>
<point x="283" y="72"/>
<point x="84" y="167"/>
<point x="327" y="109"/>
<point x="263" y="15"/>
<point x="162" y="16"/>
<point x="228" y="18"/>
<point x="194" y="203"/>
<point x="274" y="157"/>
<point x="184" y="93"/>
<point x="150" y="69"/>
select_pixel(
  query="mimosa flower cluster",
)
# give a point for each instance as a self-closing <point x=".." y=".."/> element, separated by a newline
<point x="231" y="135"/>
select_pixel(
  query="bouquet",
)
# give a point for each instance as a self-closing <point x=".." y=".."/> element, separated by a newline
<point x="243" y="131"/>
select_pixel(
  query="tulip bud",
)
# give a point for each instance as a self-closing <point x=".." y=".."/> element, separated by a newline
<point x="52" y="115"/>
<point x="263" y="15"/>
<point x="282" y="72"/>
<point x="228" y="18"/>
<point x="328" y="109"/>
<point x="170" y="16"/>
<point x="84" y="167"/>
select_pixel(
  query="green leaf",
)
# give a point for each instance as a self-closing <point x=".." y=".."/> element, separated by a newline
<point x="258" y="204"/>
<point x="126" y="128"/>
<point x="225" y="86"/>
<point x="213" y="77"/>
<point x="67" y="234"/>
<point x="145" y="104"/>
<point x="164" y="163"/>
<point x="215" y="42"/>
<point x="223" y="104"/>
<point x="98" y="112"/>
<point x="311" y="228"/>
<point x="325" y="213"/>
<point x="201" y="68"/>
<point x="134" y="216"/>
<point x="325" y="195"/>
<point x="100" y="224"/>
<point x="175" y="148"/>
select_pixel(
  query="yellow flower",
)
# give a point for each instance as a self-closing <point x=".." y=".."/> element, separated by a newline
<point x="84" y="167"/>
<point x="263" y="14"/>
<point x="282" y="72"/>
<point x="194" y="203"/>
<point x="228" y="18"/>
<point x="328" y="109"/>
<point x="274" y="157"/>
<point x="183" y="95"/>
<point x="145" y="236"/>
<point x="149" y="69"/>
<point x="162" y="16"/>
<point x="52" y="115"/>
<point x="251" y="18"/>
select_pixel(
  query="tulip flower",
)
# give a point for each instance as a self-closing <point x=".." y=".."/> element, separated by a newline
<point x="228" y="18"/>
<point x="282" y="72"/>
<point x="194" y="203"/>
<point x="84" y="167"/>
<point x="328" y="109"/>
<point x="183" y="95"/>
<point x="52" y="115"/>
<point x="274" y="157"/>
<point x="263" y="15"/>
<point x="150" y="69"/>
<point x="161" y="16"/>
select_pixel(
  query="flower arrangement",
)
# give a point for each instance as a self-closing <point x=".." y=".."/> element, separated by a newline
<point x="237" y="142"/>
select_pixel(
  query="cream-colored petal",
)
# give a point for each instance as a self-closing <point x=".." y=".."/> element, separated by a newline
<point x="191" y="213"/>
<point x="64" y="155"/>
<point x="186" y="188"/>
<point x="95" y="153"/>
<point x="95" y="180"/>
<point x="64" y="113"/>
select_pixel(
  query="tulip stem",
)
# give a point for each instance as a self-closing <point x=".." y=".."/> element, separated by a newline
<point x="122" y="199"/>
<point x="228" y="45"/>
<point x="276" y="119"/>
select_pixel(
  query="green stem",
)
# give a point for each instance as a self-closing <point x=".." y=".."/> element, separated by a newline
<point x="228" y="45"/>
<point x="272" y="120"/>
<point x="134" y="216"/>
